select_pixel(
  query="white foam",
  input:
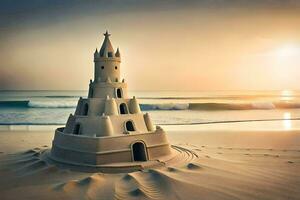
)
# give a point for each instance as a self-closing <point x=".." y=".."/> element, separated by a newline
<point x="52" y="104"/>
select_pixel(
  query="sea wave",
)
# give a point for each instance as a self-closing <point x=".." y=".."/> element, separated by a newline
<point x="244" y="106"/>
<point x="61" y="96"/>
<point x="162" y="106"/>
<point x="52" y="104"/>
<point x="14" y="103"/>
<point x="165" y="106"/>
<point x="222" y="106"/>
<point x="232" y="106"/>
<point x="38" y="104"/>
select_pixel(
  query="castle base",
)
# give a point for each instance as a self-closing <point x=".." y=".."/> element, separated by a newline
<point x="114" y="153"/>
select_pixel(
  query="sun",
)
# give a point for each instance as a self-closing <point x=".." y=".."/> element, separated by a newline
<point x="287" y="51"/>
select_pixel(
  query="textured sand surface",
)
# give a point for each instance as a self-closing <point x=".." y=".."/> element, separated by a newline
<point x="211" y="165"/>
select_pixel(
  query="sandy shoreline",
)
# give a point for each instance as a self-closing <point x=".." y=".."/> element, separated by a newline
<point x="14" y="141"/>
<point x="230" y="164"/>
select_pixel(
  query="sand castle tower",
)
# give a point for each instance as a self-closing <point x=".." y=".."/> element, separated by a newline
<point x="108" y="127"/>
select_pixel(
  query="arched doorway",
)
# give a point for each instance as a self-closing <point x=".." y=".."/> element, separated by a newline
<point x="139" y="151"/>
<point x="76" y="130"/>
<point x="123" y="108"/>
<point x="129" y="126"/>
<point x="119" y="93"/>
<point x="85" y="109"/>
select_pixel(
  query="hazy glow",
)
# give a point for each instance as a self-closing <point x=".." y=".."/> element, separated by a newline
<point x="287" y="123"/>
<point x="287" y="95"/>
<point x="213" y="45"/>
<point x="287" y="51"/>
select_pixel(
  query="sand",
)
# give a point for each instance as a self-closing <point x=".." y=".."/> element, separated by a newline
<point x="213" y="164"/>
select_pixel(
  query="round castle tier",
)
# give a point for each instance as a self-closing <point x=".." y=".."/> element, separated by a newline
<point x="108" y="127"/>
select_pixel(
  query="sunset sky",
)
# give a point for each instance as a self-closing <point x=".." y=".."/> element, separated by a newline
<point x="165" y="45"/>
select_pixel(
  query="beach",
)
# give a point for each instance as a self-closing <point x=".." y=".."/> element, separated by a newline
<point x="215" y="163"/>
<point x="130" y="100"/>
<point x="228" y="145"/>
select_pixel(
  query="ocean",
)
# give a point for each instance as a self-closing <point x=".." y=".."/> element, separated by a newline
<point x="164" y="107"/>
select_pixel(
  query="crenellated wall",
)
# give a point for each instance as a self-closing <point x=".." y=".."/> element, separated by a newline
<point x="102" y="89"/>
<point x="96" y="106"/>
<point x="94" y="125"/>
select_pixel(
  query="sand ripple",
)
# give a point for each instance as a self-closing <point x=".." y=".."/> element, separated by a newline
<point x="194" y="173"/>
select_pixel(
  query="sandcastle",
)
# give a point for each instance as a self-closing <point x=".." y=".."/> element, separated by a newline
<point x="108" y="128"/>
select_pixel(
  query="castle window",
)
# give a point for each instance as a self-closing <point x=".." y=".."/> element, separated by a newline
<point x="110" y="54"/>
<point x="123" y="108"/>
<point x="129" y="126"/>
<point x="119" y="93"/>
<point x="102" y="67"/>
<point x="116" y="67"/>
<point x="85" y="109"/>
<point x="76" y="130"/>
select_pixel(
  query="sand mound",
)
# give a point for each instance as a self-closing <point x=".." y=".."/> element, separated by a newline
<point x="141" y="185"/>
<point x="91" y="187"/>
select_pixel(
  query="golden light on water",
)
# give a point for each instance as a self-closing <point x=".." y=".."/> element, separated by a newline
<point x="287" y="123"/>
<point x="286" y="95"/>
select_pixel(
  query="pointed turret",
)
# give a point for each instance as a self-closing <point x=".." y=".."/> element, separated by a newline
<point x="107" y="49"/>
<point x="106" y="127"/>
<point x="110" y="106"/>
<point x="134" y="106"/>
<point x="117" y="54"/>
<point x="107" y="64"/>
<point x="96" y="54"/>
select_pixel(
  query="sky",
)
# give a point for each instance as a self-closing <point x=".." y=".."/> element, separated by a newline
<point x="165" y="45"/>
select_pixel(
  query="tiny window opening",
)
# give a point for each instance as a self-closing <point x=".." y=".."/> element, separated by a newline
<point x="129" y="126"/>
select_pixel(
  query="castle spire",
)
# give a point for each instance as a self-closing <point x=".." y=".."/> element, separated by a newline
<point x="107" y="49"/>
<point x="96" y="54"/>
<point x="117" y="54"/>
<point x="106" y="34"/>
